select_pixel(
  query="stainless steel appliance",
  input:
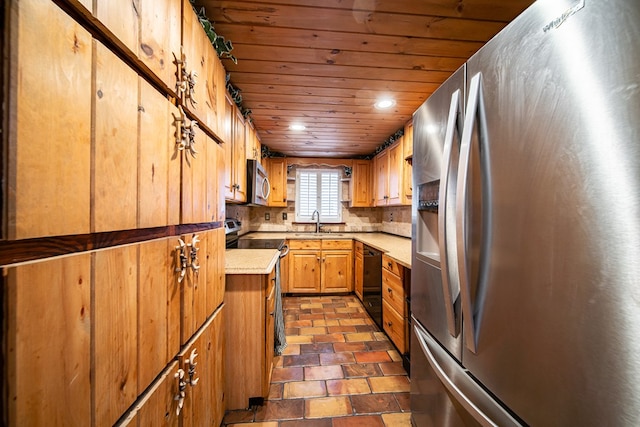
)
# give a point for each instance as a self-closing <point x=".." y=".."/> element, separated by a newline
<point x="258" y="186"/>
<point x="525" y="281"/>
<point x="372" y="284"/>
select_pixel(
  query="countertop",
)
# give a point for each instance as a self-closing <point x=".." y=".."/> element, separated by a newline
<point x="398" y="248"/>
<point x="250" y="261"/>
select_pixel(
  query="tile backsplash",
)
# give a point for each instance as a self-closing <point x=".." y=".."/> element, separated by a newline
<point x="393" y="220"/>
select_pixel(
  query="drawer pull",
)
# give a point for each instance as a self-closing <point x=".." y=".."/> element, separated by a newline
<point x="182" y="385"/>
<point x="389" y="324"/>
<point x="389" y="290"/>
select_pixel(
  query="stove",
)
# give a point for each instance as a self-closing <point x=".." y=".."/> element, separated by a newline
<point x="232" y="227"/>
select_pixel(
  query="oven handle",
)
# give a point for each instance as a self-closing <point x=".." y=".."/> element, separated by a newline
<point x="284" y="251"/>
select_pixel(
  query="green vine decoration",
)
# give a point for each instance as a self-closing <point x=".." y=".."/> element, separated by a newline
<point x="236" y="95"/>
<point x="222" y="46"/>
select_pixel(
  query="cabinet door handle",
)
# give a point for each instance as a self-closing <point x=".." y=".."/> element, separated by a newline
<point x="389" y="290"/>
<point x="389" y="324"/>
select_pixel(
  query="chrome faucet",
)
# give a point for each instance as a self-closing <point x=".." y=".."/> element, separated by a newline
<point x="317" y="219"/>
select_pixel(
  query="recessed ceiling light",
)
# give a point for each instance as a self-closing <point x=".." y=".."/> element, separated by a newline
<point x="297" y="126"/>
<point x="385" y="103"/>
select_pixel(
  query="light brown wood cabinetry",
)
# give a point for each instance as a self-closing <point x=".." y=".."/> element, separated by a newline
<point x="358" y="269"/>
<point x="158" y="405"/>
<point x="323" y="266"/>
<point x="277" y="173"/>
<point x="158" y="160"/>
<point x="235" y="182"/>
<point x="122" y="19"/>
<point x="115" y="332"/>
<point x="361" y="184"/>
<point x="92" y="164"/>
<point x="395" y="313"/>
<point x="249" y="337"/>
<point x="49" y="129"/>
<point x="203" y="403"/>
<point x="253" y="146"/>
<point x="390" y="176"/>
<point x="159" y="43"/>
<point x="408" y="163"/>
<point x="49" y="334"/>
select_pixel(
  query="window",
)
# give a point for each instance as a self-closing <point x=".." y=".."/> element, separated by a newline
<point x="318" y="189"/>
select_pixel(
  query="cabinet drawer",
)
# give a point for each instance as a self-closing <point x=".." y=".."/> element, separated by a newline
<point x="393" y="292"/>
<point x="392" y="265"/>
<point x="395" y="326"/>
<point x="337" y="244"/>
<point x="305" y="244"/>
<point x="359" y="246"/>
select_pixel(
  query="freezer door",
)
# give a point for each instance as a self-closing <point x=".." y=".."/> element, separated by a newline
<point x="553" y="280"/>
<point x="437" y="126"/>
<point x="443" y="394"/>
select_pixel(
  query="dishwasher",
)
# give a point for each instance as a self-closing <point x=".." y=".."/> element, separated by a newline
<point x="372" y="284"/>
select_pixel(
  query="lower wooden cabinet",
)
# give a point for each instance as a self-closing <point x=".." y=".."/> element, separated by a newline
<point x="395" y="312"/>
<point x="320" y="266"/>
<point x="249" y="330"/>
<point x="92" y="337"/>
<point x="358" y="269"/>
<point x="48" y="337"/>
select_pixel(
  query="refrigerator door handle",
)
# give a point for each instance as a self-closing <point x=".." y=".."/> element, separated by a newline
<point x="461" y="387"/>
<point x="450" y="288"/>
<point x="475" y="116"/>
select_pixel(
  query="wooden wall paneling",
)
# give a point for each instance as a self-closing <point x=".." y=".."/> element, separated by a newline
<point x="114" y="353"/>
<point x="122" y="19"/>
<point x="154" y="311"/>
<point x="115" y="155"/>
<point x="194" y="181"/>
<point x="49" y="116"/>
<point x="160" y="37"/>
<point x="48" y="335"/>
<point x="157" y="147"/>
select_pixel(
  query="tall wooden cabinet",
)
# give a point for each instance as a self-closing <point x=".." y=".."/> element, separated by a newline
<point x="361" y="184"/>
<point x="277" y="173"/>
<point x="390" y="179"/>
<point x="113" y="196"/>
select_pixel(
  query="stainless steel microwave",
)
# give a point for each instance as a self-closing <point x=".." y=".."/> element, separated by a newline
<point x="258" y="186"/>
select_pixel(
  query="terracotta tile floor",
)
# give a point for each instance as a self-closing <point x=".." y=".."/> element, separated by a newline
<point x="338" y="370"/>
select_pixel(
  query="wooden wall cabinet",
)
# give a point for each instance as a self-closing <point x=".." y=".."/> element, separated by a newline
<point x="408" y="163"/>
<point x="389" y="167"/>
<point x="277" y="173"/>
<point x="235" y="183"/>
<point x="250" y="300"/>
<point x="395" y="312"/>
<point x="51" y="127"/>
<point x="320" y="266"/>
<point x="253" y="146"/>
<point x="361" y="184"/>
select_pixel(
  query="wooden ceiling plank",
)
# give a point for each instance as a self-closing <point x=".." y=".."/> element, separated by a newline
<point x="497" y="10"/>
<point x="338" y="71"/>
<point x="310" y="39"/>
<point x="252" y="91"/>
<point x="246" y="52"/>
<point x="380" y="85"/>
<point x="372" y="22"/>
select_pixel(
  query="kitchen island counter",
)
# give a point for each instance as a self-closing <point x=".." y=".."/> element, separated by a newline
<point x="250" y="261"/>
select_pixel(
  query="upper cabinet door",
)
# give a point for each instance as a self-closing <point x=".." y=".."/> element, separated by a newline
<point x="49" y="142"/>
<point x="121" y="17"/>
<point x="160" y="32"/>
<point x="115" y="144"/>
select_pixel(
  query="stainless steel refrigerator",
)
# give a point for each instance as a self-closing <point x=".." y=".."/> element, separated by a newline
<point x="526" y="226"/>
